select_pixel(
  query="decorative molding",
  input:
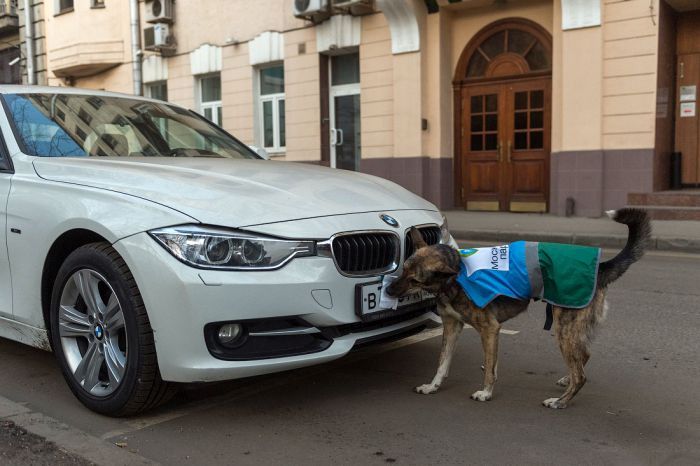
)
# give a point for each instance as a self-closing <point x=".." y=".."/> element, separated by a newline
<point x="155" y="69"/>
<point x="205" y="59"/>
<point x="405" y="18"/>
<point x="339" y="32"/>
<point x="267" y="47"/>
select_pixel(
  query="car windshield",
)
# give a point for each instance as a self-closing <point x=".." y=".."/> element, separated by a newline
<point x="69" y="125"/>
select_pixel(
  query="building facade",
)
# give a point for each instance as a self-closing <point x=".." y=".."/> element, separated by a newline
<point x="558" y="106"/>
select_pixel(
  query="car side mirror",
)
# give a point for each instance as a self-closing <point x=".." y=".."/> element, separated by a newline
<point x="261" y="152"/>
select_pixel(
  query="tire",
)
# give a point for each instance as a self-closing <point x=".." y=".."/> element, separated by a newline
<point x="105" y="349"/>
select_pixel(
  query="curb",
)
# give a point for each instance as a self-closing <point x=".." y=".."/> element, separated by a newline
<point x="690" y="245"/>
<point x="69" y="438"/>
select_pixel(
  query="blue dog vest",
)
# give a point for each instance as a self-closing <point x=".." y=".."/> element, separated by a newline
<point x="560" y="274"/>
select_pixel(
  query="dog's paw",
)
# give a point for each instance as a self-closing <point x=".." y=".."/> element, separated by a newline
<point x="426" y="389"/>
<point x="554" y="403"/>
<point x="481" y="395"/>
<point x="564" y="381"/>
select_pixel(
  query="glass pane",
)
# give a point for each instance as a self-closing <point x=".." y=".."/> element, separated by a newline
<point x="477" y="66"/>
<point x="491" y="103"/>
<point x="347" y="122"/>
<point x="520" y="120"/>
<point x="536" y="119"/>
<point x="158" y="91"/>
<point x="345" y="69"/>
<point x="492" y="122"/>
<point x="477" y="123"/>
<point x="219" y="116"/>
<point x="491" y="141"/>
<point x="283" y="133"/>
<point x="519" y="41"/>
<point x="520" y="100"/>
<point x="494" y="45"/>
<point x="538" y="58"/>
<point x="208" y="114"/>
<point x="268" y="129"/>
<point x="211" y="88"/>
<point x="477" y="101"/>
<point x="537" y="99"/>
<point x="272" y="80"/>
<point x="536" y="140"/>
<point x="520" y="141"/>
<point x="477" y="142"/>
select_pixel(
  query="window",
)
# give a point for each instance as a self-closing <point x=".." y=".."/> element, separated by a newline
<point x="210" y="98"/>
<point x="157" y="90"/>
<point x="272" y="108"/>
<point x="10" y="66"/>
<point x="63" y="6"/>
<point x="97" y="3"/>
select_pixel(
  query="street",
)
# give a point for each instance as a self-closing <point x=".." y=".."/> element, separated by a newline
<point x="639" y="406"/>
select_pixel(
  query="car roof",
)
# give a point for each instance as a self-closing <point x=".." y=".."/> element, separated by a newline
<point x="26" y="89"/>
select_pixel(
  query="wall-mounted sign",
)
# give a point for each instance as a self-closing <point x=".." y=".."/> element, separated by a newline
<point x="688" y="93"/>
<point x="687" y="109"/>
<point x="577" y="14"/>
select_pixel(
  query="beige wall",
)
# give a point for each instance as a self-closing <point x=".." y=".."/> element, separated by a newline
<point x="630" y="38"/>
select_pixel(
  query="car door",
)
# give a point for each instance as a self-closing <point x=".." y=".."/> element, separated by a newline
<point x="5" y="179"/>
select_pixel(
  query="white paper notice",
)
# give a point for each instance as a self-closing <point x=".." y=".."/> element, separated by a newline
<point x="577" y="14"/>
<point x="688" y="93"/>
<point x="687" y="109"/>
<point x="386" y="301"/>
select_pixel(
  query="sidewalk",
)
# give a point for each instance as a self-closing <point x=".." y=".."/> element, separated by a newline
<point x="503" y="227"/>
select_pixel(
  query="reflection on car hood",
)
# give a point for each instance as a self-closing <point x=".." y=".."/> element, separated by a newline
<point x="235" y="193"/>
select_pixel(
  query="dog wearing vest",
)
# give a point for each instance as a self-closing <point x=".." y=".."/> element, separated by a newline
<point x="487" y="286"/>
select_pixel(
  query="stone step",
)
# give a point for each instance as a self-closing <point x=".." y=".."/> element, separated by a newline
<point x="657" y="212"/>
<point x="665" y="198"/>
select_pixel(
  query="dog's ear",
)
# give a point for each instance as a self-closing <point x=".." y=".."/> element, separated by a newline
<point x="445" y="269"/>
<point x="418" y="241"/>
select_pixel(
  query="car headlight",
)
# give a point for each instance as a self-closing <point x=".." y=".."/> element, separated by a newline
<point x="213" y="248"/>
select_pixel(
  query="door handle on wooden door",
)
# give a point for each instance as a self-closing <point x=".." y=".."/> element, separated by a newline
<point x="509" y="152"/>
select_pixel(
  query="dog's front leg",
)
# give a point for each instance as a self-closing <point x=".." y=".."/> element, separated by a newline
<point x="489" y="341"/>
<point x="451" y="328"/>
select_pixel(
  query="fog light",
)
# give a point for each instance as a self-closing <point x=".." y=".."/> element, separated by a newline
<point x="229" y="334"/>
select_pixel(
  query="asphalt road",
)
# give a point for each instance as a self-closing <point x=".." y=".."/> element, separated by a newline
<point x="640" y="405"/>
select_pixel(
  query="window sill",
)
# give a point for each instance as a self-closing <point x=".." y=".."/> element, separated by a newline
<point x="63" y="12"/>
<point x="97" y="7"/>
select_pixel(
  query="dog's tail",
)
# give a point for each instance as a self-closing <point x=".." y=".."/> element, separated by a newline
<point x="639" y="224"/>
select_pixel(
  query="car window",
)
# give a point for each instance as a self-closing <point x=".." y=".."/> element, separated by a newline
<point x="67" y="125"/>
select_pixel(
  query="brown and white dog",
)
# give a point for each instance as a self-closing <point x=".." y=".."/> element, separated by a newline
<point x="435" y="268"/>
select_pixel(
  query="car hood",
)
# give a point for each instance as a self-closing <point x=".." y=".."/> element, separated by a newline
<point x="235" y="193"/>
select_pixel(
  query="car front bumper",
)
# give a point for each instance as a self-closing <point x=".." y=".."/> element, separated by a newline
<point x="182" y="300"/>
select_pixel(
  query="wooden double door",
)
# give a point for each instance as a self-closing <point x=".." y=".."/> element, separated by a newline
<point x="505" y="145"/>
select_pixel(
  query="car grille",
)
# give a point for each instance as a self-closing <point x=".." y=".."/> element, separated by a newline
<point x="366" y="253"/>
<point x="431" y="235"/>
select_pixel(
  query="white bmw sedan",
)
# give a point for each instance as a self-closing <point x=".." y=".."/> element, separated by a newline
<point x="146" y="246"/>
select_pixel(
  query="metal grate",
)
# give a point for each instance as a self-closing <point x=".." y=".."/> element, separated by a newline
<point x="431" y="235"/>
<point x="366" y="253"/>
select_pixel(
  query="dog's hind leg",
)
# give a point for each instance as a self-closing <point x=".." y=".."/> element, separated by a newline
<point x="489" y="341"/>
<point x="573" y="335"/>
<point x="451" y="328"/>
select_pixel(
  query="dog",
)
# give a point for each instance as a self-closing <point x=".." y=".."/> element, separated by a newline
<point x="434" y="269"/>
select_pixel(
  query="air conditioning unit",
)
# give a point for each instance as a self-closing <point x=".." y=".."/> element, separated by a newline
<point x="157" y="38"/>
<point x="314" y="10"/>
<point x="159" y="11"/>
<point x="353" y="7"/>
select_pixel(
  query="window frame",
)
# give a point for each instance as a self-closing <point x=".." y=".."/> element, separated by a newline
<point x="212" y="105"/>
<point x="275" y="99"/>
<point x="148" y="87"/>
<point x="97" y="4"/>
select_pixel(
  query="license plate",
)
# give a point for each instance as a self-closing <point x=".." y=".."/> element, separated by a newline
<point x="368" y="297"/>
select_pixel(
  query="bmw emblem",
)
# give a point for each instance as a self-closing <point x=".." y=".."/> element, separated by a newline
<point x="98" y="332"/>
<point x="389" y="220"/>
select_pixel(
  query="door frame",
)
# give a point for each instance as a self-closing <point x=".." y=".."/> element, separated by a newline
<point x="338" y="91"/>
<point x="460" y="82"/>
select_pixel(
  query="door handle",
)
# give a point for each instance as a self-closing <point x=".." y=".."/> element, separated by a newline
<point x="342" y="137"/>
<point x="509" y="152"/>
<point x="334" y="136"/>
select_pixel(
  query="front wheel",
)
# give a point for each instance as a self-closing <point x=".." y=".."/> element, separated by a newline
<point x="101" y="334"/>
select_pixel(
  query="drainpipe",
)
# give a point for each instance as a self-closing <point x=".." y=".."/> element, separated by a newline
<point x="29" y="41"/>
<point x="136" y="47"/>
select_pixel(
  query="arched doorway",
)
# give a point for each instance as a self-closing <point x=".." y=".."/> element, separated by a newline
<point x="502" y="90"/>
